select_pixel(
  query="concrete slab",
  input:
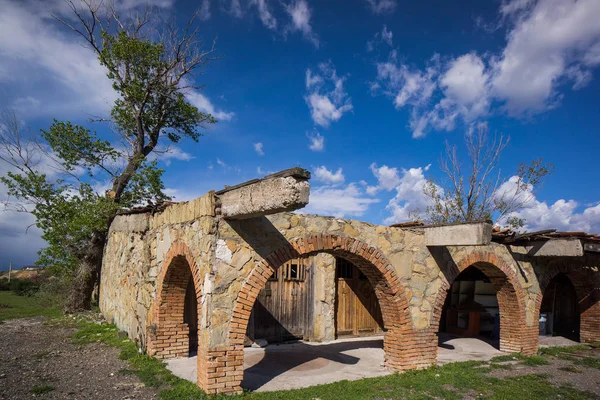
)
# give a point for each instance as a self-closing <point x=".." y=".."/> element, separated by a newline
<point x="304" y="364"/>
<point x="454" y="349"/>
<point x="184" y="368"/>
<point x="551" y="341"/>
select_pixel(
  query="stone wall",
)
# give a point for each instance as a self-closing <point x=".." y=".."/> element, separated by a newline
<point x="230" y="260"/>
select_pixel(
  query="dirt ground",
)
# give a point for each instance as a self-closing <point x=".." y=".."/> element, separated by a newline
<point x="41" y="358"/>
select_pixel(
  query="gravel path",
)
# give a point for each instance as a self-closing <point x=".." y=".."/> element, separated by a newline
<point x="38" y="360"/>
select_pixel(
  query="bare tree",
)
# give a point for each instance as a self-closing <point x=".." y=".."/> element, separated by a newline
<point x="480" y="192"/>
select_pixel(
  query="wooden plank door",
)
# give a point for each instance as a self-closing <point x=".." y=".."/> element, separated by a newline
<point x="283" y="309"/>
<point x="357" y="308"/>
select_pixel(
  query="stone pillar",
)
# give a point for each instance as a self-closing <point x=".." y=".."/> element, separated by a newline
<point x="323" y="329"/>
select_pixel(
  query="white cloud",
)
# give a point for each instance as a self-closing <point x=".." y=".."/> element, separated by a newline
<point x="387" y="178"/>
<point x="547" y="37"/>
<point x="258" y="147"/>
<point x="339" y="202"/>
<point x="317" y="142"/>
<point x="170" y="153"/>
<point x="300" y="13"/>
<point x="322" y="174"/>
<point x="326" y="97"/>
<point x="549" y="43"/>
<point x="387" y="35"/>
<point x="202" y="102"/>
<point x="264" y="13"/>
<point x="204" y="12"/>
<point x="409" y="198"/>
<point x="222" y="163"/>
<point x="559" y="215"/>
<point x="40" y="82"/>
<point x="382" y="6"/>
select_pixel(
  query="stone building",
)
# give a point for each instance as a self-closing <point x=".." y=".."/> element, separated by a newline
<point x="191" y="272"/>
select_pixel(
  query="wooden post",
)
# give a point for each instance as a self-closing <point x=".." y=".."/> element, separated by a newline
<point x="9" y="271"/>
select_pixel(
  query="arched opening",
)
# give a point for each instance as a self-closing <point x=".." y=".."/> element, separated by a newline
<point x="176" y="328"/>
<point x="318" y="315"/>
<point x="399" y="337"/>
<point x="480" y="312"/>
<point x="471" y="311"/>
<point x="559" y="311"/>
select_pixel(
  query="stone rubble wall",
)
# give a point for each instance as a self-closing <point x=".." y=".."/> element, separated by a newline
<point x="133" y="261"/>
<point x="232" y="256"/>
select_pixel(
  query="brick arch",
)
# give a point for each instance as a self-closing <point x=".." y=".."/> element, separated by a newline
<point x="169" y="338"/>
<point x="587" y="290"/>
<point x="400" y="342"/>
<point x="515" y="336"/>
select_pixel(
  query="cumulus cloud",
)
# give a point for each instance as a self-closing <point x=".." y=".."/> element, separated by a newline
<point x="547" y="37"/>
<point x="379" y="7"/>
<point x="203" y="104"/>
<point x="549" y="43"/>
<point x="410" y="199"/>
<point x="322" y="174"/>
<point x="258" y="147"/>
<point x="562" y="214"/>
<point x="204" y="12"/>
<point x="326" y="97"/>
<point x="387" y="178"/>
<point x="264" y="13"/>
<point x="385" y="36"/>
<point x="347" y="201"/>
<point x="316" y="141"/>
<point x="39" y="82"/>
<point x="300" y="13"/>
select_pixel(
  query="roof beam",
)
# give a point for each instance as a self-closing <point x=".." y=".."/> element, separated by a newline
<point x="469" y="234"/>
<point x="556" y="248"/>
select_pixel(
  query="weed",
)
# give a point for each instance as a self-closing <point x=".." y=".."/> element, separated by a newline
<point x="41" y="389"/>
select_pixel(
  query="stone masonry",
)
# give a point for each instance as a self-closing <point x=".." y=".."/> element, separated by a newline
<point x="150" y="257"/>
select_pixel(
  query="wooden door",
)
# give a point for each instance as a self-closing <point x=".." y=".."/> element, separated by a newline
<point x="283" y="309"/>
<point x="357" y="308"/>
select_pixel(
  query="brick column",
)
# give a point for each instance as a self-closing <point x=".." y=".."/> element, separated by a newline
<point x="589" y="307"/>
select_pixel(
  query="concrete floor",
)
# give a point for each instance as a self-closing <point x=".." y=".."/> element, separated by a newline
<point x="548" y="341"/>
<point x="302" y="364"/>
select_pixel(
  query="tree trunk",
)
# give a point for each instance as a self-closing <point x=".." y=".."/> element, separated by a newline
<point x="86" y="276"/>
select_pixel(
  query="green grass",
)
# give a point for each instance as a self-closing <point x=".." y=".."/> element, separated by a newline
<point x="13" y="306"/>
<point x="557" y="351"/>
<point x="451" y="381"/>
<point x="589" y="362"/>
<point x="41" y="389"/>
<point x="534" y="361"/>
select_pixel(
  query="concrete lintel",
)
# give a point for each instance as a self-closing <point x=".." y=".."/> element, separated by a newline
<point x="469" y="234"/>
<point x="556" y="248"/>
<point x="273" y="194"/>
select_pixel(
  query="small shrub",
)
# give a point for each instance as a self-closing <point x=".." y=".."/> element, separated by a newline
<point x="22" y="287"/>
<point x="41" y="389"/>
<point x="4" y="285"/>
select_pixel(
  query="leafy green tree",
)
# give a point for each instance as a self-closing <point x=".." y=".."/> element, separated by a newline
<point x="55" y="176"/>
<point x="479" y="192"/>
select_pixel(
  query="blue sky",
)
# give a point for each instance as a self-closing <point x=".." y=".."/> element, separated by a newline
<point x="363" y="93"/>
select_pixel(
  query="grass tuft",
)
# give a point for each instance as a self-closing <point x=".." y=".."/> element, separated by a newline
<point x="41" y="389"/>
